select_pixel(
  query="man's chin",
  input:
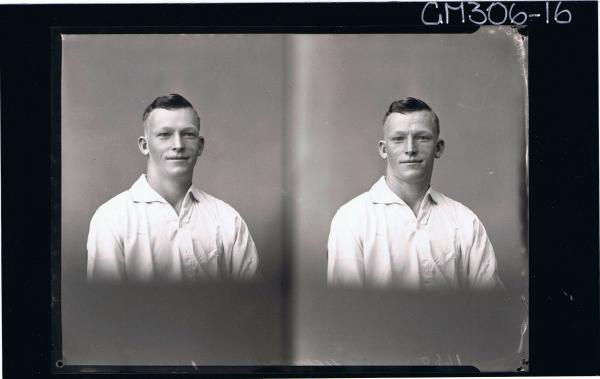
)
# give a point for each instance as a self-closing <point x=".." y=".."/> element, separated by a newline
<point x="179" y="173"/>
<point x="411" y="176"/>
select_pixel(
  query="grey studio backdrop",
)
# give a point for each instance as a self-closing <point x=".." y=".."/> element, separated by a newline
<point x="291" y="125"/>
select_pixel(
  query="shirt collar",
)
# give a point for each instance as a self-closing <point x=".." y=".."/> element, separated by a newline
<point x="382" y="194"/>
<point x="142" y="192"/>
<point x="195" y="192"/>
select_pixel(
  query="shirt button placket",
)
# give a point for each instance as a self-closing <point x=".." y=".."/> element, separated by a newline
<point x="183" y="246"/>
<point x="181" y="219"/>
<point x="188" y="241"/>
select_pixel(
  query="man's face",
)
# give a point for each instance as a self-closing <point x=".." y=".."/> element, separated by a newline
<point x="172" y="142"/>
<point x="410" y="146"/>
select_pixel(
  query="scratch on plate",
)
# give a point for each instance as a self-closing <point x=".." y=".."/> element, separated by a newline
<point x="485" y="92"/>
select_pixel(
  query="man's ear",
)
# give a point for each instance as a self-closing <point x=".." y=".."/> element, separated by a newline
<point x="382" y="149"/>
<point x="439" y="148"/>
<point x="143" y="145"/>
<point x="201" y="147"/>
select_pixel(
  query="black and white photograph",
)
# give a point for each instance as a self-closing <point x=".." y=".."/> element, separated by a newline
<point x="378" y="278"/>
<point x="299" y="189"/>
<point x="294" y="199"/>
<point x="172" y="199"/>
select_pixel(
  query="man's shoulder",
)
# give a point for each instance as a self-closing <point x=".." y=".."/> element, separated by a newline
<point x="220" y="206"/>
<point x="461" y="211"/>
<point x="115" y="207"/>
<point x="355" y="207"/>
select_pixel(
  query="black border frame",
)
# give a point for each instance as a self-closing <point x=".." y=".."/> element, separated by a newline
<point x="563" y="169"/>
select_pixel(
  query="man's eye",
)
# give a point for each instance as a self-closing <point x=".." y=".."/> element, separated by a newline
<point x="424" y="138"/>
<point x="190" y="135"/>
<point x="163" y="134"/>
<point x="398" y="139"/>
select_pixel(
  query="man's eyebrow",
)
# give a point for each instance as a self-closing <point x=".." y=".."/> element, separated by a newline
<point x="169" y="127"/>
<point x="164" y="128"/>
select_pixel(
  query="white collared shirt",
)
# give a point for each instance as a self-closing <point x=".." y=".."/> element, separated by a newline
<point x="137" y="236"/>
<point x="376" y="240"/>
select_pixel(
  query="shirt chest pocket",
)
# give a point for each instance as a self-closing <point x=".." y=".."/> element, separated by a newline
<point x="445" y="259"/>
<point x="207" y="243"/>
<point x="445" y="248"/>
<point x="441" y="268"/>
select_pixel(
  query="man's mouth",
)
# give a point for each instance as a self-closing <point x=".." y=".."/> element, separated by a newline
<point x="410" y="162"/>
<point x="176" y="158"/>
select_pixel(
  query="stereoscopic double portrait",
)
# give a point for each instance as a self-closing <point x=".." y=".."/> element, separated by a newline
<point x="294" y="199"/>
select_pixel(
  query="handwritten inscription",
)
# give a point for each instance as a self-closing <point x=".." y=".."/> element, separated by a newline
<point x="497" y="13"/>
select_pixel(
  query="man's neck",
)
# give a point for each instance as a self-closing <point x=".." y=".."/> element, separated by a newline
<point x="411" y="193"/>
<point x="173" y="190"/>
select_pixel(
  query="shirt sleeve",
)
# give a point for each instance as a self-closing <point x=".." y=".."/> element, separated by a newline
<point x="344" y="254"/>
<point x="482" y="271"/>
<point x="244" y="255"/>
<point x="105" y="259"/>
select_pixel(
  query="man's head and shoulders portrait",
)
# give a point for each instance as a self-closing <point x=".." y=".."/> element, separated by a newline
<point x="163" y="228"/>
<point x="402" y="233"/>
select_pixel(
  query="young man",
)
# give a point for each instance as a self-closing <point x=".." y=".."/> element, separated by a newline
<point x="163" y="228"/>
<point x="402" y="233"/>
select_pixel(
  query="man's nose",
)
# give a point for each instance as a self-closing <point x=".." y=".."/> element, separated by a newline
<point x="177" y="143"/>
<point x="411" y="148"/>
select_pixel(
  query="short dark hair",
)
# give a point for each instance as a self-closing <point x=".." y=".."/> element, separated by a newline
<point x="170" y="102"/>
<point x="410" y="105"/>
